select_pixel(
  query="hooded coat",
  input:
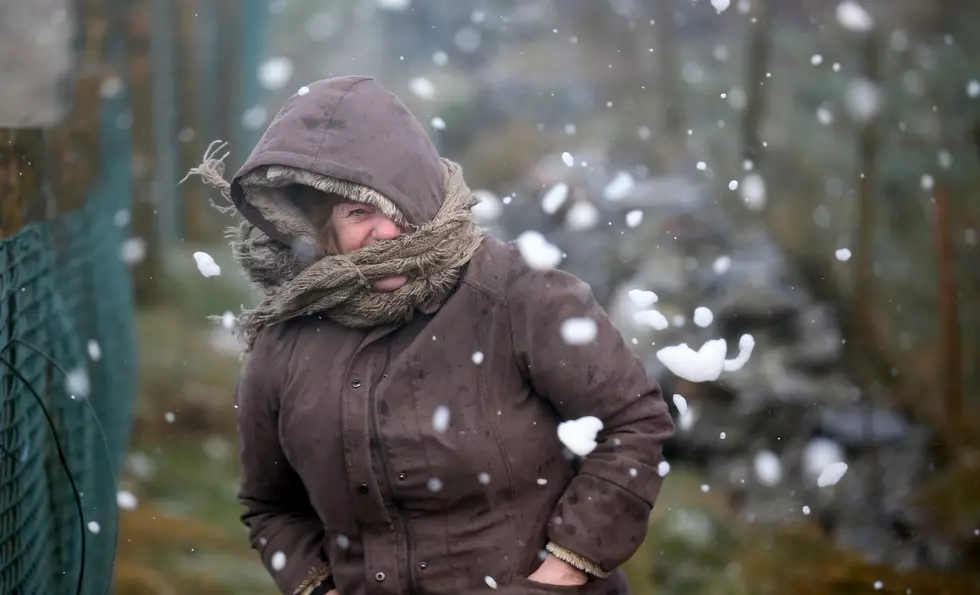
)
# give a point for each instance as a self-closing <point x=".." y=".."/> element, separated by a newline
<point x="424" y="456"/>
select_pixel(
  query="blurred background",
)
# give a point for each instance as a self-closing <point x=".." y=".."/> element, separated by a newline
<point x="804" y="171"/>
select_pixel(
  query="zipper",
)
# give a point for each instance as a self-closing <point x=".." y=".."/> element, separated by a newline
<point x="376" y="439"/>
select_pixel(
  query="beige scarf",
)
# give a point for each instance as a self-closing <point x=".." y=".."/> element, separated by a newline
<point x="340" y="286"/>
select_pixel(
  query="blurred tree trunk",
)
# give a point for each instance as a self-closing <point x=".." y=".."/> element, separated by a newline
<point x="757" y="63"/>
<point x="192" y="56"/>
<point x="670" y="84"/>
<point x="21" y="178"/>
<point x="951" y="379"/>
<point x="863" y="297"/>
<point x="148" y="274"/>
<point x="163" y="50"/>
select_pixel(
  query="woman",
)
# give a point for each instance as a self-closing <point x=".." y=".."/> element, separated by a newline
<point x="406" y="375"/>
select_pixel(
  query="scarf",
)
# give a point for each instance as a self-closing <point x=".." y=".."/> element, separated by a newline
<point x="340" y="286"/>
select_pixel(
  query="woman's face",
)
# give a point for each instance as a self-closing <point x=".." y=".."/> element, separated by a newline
<point x="343" y="227"/>
<point x="356" y="225"/>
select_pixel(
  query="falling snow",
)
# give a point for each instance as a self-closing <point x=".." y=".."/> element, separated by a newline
<point x="642" y="297"/>
<point x="537" y="251"/>
<point x="126" y="500"/>
<point x="831" y="474"/>
<point x="206" y="264"/>
<point x="579" y="435"/>
<point x="681" y="403"/>
<point x="721" y="5"/>
<point x="619" y="187"/>
<point x="122" y="218"/>
<point x="825" y="116"/>
<point x="582" y="215"/>
<point x="944" y="159"/>
<point x="440" y="418"/>
<point x="422" y="88"/>
<point x="973" y="89"/>
<point x="863" y="100"/>
<point x="133" y="251"/>
<point x="77" y="383"/>
<point x="843" y="254"/>
<point x="853" y="17"/>
<point x="554" y="198"/>
<point x="819" y="454"/>
<point x="768" y="468"/>
<point x="275" y="72"/>
<point x="685" y="414"/>
<point x="254" y="117"/>
<point x="703" y="317"/>
<point x="754" y="191"/>
<point x="707" y="363"/>
<point x="651" y="318"/>
<point x="278" y="561"/>
<point x="578" y="330"/>
<point x="395" y="5"/>
<point x="489" y="206"/>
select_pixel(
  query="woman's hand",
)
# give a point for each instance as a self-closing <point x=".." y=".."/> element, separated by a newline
<point x="557" y="572"/>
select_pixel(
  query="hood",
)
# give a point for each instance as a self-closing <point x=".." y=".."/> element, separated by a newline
<point x="347" y="136"/>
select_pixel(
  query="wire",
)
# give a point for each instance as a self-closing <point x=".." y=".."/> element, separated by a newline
<point x="64" y="462"/>
<point x="65" y="373"/>
<point x="61" y="457"/>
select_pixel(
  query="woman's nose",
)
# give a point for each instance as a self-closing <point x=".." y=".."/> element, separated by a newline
<point x="386" y="229"/>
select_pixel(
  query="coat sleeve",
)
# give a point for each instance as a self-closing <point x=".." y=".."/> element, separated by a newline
<point x="282" y="525"/>
<point x="602" y="517"/>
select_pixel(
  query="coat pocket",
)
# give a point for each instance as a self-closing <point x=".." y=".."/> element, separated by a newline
<point x="520" y="585"/>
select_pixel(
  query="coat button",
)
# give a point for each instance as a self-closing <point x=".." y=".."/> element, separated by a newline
<point x="355" y="383"/>
<point x="379" y="576"/>
<point x="363" y="488"/>
<point x="422" y="564"/>
<point x="401" y="476"/>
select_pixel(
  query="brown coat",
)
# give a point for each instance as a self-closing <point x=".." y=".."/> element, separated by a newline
<point x="342" y="464"/>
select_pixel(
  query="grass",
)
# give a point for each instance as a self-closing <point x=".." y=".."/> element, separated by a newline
<point x="185" y="535"/>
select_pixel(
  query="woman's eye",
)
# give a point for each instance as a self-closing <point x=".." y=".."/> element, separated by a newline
<point x="356" y="213"/>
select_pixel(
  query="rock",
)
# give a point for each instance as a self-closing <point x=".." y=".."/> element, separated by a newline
<point x="855" y="426"/>
<point x="790" y="394"/>
<point x="820" y="344"/>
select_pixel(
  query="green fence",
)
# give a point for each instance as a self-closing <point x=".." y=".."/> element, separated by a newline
<point x="67" y="356"/>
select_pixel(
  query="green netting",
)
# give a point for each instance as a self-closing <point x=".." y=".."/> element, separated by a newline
<point x="65" y="290"/>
